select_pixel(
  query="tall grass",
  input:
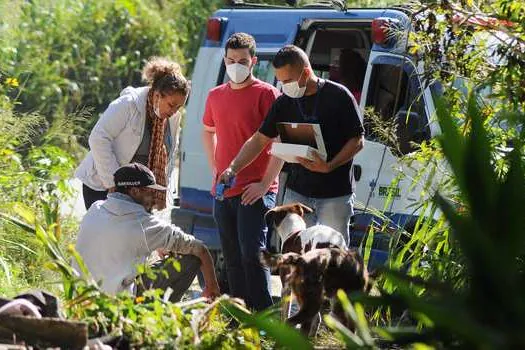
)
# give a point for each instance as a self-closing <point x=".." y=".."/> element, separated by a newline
<point x="33" y="180"/>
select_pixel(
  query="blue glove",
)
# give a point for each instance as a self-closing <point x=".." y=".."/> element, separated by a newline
<point x="221" y="187"/>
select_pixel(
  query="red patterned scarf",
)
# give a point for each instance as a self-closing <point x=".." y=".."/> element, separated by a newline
<point x="158" y="155"/>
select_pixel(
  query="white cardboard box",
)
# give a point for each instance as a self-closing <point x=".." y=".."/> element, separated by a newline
<point x="302" y="132"/>
<point x="289" y="151"/>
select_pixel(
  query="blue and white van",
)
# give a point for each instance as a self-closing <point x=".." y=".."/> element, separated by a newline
<point x="391" y="87"/>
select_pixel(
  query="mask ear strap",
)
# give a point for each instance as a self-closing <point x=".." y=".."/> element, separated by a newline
<point x="300" y="76"/>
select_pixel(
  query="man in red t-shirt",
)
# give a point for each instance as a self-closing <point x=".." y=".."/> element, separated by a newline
<point x="234" y="111"/>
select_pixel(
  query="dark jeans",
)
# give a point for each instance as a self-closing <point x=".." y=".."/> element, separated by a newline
<point x="91" y="196"/>
<point x="242" y="230"/>
<point x="179" y="282"/>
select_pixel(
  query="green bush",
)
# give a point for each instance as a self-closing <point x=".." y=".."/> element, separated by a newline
<point x="33" y="182"/>
<point x="68" y="54"/>
<point x="486" y="311"/>
<point x="455" y="282"/>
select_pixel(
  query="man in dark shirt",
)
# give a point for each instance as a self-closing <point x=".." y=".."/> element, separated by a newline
<point x="326" y="186"/>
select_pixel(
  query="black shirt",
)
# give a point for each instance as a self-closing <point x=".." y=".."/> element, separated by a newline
<point x="336" y="113"/>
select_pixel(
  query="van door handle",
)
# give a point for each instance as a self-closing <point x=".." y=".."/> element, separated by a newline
<point x="357" y="172"/>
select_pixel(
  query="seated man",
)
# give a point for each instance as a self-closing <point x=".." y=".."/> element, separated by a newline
<point x="120" y="232"/>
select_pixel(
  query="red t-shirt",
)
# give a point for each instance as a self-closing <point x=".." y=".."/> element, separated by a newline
<point x="236" y="116"/>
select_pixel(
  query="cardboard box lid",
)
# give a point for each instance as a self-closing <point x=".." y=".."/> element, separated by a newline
<point x="307" y="134"/>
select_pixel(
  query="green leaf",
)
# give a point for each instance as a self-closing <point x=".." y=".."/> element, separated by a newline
<point x="12" y="220"/>
<point x="421" y="346"/>
<point x="368" y="245"/>
<point x="176" y="265"/>
<point x="357" y="316"/>
<point x="450" y="140"/>
<point x="25" y="212"/>
<point x="405" y="335"/>
<point x="362" y="324"/>
<point x="128" y="5"/>
<point x="511" y="206"/>
<point x="351" y="340"/>
<point x="78" y="259"/>
<point x="282" y="333"/>
<point x="17" y="244"/>
<point x="7" y="270"/>
<point x="478" y="176"/>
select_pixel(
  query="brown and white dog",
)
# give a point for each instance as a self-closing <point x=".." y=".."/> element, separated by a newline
<point x="317" y="275"/>
<point x="288" y="222"/>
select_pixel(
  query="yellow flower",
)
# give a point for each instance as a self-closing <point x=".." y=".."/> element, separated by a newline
<point x="139" y="300"/>
<point x="13" y="82"/>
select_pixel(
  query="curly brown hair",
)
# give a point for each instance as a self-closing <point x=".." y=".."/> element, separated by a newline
<point x="165" y="76"/>
<point x="241" y="41"/>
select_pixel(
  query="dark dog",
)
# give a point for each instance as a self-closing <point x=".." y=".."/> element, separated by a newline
<point x="317" y="275"/>
<point x="288" y="222"/>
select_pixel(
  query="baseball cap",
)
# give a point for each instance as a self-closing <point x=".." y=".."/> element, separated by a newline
<point x="136" y="175"/>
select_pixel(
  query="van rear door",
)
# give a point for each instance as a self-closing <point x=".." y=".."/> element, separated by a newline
<point x="338" y="48"/>
<point x="398" y="117"/>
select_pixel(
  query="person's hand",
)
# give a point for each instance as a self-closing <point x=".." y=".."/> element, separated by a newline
<point x="211" y="291"/>
<point x="111" y="190"/>
<point x="226" y="176"/>
<point x="317" y="165"/>
<point x="162" y="252"/>
<point x="253" y="192"/>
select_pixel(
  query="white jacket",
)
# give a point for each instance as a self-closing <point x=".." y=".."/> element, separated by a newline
<point x="118" y="234"/>
<point x="116" y="137"/>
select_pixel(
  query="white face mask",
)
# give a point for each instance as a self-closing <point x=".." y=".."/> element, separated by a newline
<point x="237" y="72"/>
<point x="293" y="90"/>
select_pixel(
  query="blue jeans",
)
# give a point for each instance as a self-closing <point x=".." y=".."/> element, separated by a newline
<point x="334" y="212"/>
<point x="242" y="230"/>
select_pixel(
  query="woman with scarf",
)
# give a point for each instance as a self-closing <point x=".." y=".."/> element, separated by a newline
<point x="142" y="126"/>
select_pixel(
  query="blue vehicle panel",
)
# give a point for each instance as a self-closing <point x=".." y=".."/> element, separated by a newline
<point x="276" y="28"/>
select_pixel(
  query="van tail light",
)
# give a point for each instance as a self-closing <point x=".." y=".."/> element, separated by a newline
<point x="214" y="28"/>
<point x="384" y="30"/>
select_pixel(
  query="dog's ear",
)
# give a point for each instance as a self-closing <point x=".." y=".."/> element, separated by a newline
<point x="269" y="219"/>
<point x="275" y="216"/>
<point x="301" y="209"/>
<point x="271" y="260"/>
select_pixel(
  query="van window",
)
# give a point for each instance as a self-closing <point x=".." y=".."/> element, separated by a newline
<point x="341" y="54"/>
<point x="395" y="94"/>
<point x="263" y="70"/>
